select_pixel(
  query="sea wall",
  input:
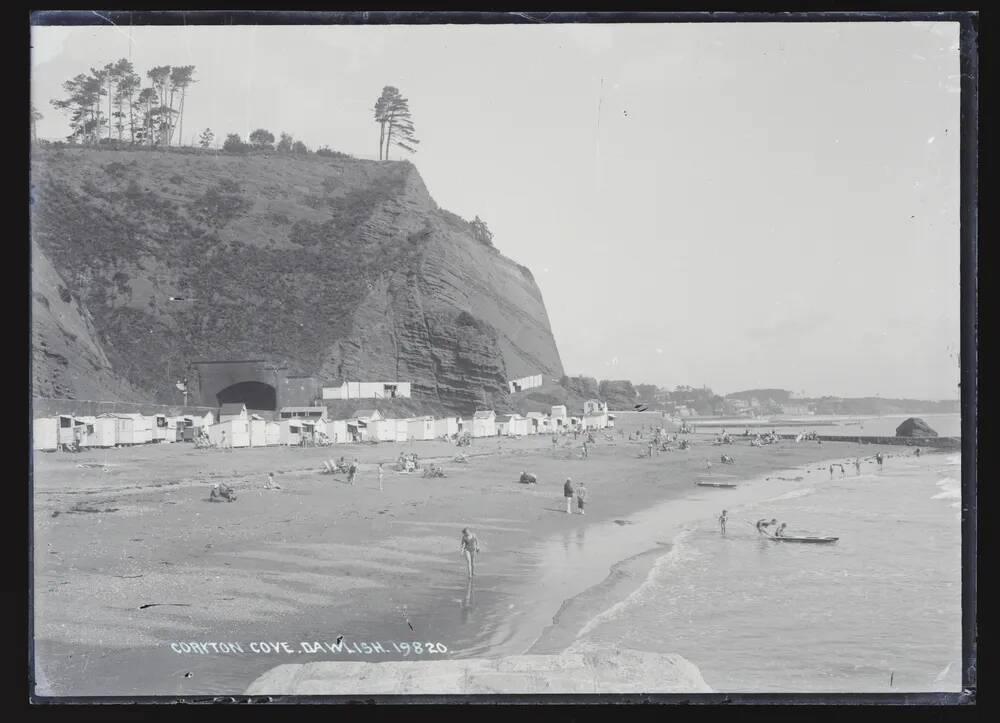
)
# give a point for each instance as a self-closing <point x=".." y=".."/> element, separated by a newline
<point x="608" y="672"/>
<point x="933" y="442"/>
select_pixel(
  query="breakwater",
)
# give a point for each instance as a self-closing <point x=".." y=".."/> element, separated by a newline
<point x="932" y="442"/>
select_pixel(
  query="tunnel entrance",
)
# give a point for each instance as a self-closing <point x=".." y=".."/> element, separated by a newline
<point x="256" y="395"/>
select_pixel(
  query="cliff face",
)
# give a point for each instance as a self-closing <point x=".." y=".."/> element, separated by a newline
<point x="345" y="269"/>
<point x="67" y="358"/>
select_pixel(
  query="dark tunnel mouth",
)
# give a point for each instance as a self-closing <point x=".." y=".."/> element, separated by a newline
<point x="256" y="395"/>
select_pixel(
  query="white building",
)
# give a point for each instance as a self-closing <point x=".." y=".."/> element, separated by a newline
<point x="302" y="413"/>
<point x="368" y="390"/>
<point x="484" y="424"/>
<point x="519" y="385"/>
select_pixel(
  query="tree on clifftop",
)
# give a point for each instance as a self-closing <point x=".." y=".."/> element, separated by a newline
<point x="392" y="113"/>
<point x="206" y="138"/>
<point x="262" y="138"/>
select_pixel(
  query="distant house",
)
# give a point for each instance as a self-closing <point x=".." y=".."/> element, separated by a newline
<point x="302" y="412"/>
<point x="233" y="410"/>
<point x="595" y="414"/>
<point x="368" y="390"/>
<point x="519" y="385"/>
<point x="368" y="415"/>
<point x="484" y="423"/>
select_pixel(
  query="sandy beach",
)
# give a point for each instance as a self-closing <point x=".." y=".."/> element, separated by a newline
<point x="131" y="557"/>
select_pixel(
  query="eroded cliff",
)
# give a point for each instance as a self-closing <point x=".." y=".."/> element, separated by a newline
<point x="342" y="268"/>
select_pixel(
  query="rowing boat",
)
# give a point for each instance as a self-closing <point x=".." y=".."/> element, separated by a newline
<point x="716" y="484"/>
<point x="802" y="539"/>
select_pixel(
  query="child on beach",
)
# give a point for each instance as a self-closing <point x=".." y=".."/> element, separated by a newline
<point x="352" y="472"/>
<point x="270" y="484"/>
<point x="780" y="532"/>
<point x="762" y="525"/>
<point x="857" y="466"/>
<point x="469" y="547"/>
<point x="581" y="497"/>
<point x="722" y="522"/>
<point x="568" y="494"/>
<point x="878" y="458"/>
<point x="381" y="474"/>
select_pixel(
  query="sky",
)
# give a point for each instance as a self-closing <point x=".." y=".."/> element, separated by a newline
<point x="730" y="205"/>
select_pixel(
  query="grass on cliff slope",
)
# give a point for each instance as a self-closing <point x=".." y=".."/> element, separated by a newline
<point x="272" y="253"/>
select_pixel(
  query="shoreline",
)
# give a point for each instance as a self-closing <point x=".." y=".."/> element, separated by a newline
<point x="355" y="562"/>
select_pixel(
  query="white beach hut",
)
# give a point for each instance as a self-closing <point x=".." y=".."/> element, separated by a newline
<point x="237" y="433"/>
<point x="290" y="433"/>
<point x="258" y="431"/>
<point x="420" y="428"/>
<point x="45" y="434"/>
<point x="446" y="427"/>
<point x="484" y="423"/>
<point x="272" y="433"/>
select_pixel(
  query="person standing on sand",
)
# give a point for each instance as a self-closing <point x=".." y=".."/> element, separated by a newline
<point x="568" y="494"/>
<point x="722" y="522"/>
<point x="581" y="497"/>
<point x="585" y="452"/>
<point x="381" y="474"/>
<point x="878" y="458"/>
<point x="857" y="466"/>
<point x="469" y="547"/>
<point x="352" y="471"/>
<point x="831" y="471"/>
<point x="222" y="440"/>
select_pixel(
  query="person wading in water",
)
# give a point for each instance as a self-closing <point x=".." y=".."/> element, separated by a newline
<point x="470" y="548"/>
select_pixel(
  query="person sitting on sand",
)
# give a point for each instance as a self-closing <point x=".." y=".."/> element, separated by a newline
<point x="568" y="494"/>
<point x="469" y="547"/>
<point x="581" y="497"/>
<point x="917" y="452"/>
<point x="722" y="522"/>
<point x="528" y="479"/>
<point x="270" y="484"/>
<point x="780" y="532"/>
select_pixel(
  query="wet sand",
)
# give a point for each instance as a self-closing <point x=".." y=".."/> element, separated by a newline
<point x="132" y="557"/>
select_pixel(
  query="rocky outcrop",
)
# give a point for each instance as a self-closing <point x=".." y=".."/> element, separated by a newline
<point x="915" y="427"/>
<point x="617" y="671"/>
<point x="340" y="268"/>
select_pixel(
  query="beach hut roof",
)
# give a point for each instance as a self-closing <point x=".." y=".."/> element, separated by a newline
<point x="232" y="408"/>
<point x="503" y="417"/>
<point x="486" y="414"/>
<point x="364" y="413"/>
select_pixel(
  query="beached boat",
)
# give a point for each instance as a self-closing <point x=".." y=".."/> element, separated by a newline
<point x="802" y="539"/>
<point x="716" y="484"/>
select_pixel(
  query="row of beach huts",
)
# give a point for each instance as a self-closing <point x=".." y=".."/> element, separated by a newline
<point x="236" y="427"/>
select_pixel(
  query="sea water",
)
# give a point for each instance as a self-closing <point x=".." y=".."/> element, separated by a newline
<point x="878" y="611"/>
